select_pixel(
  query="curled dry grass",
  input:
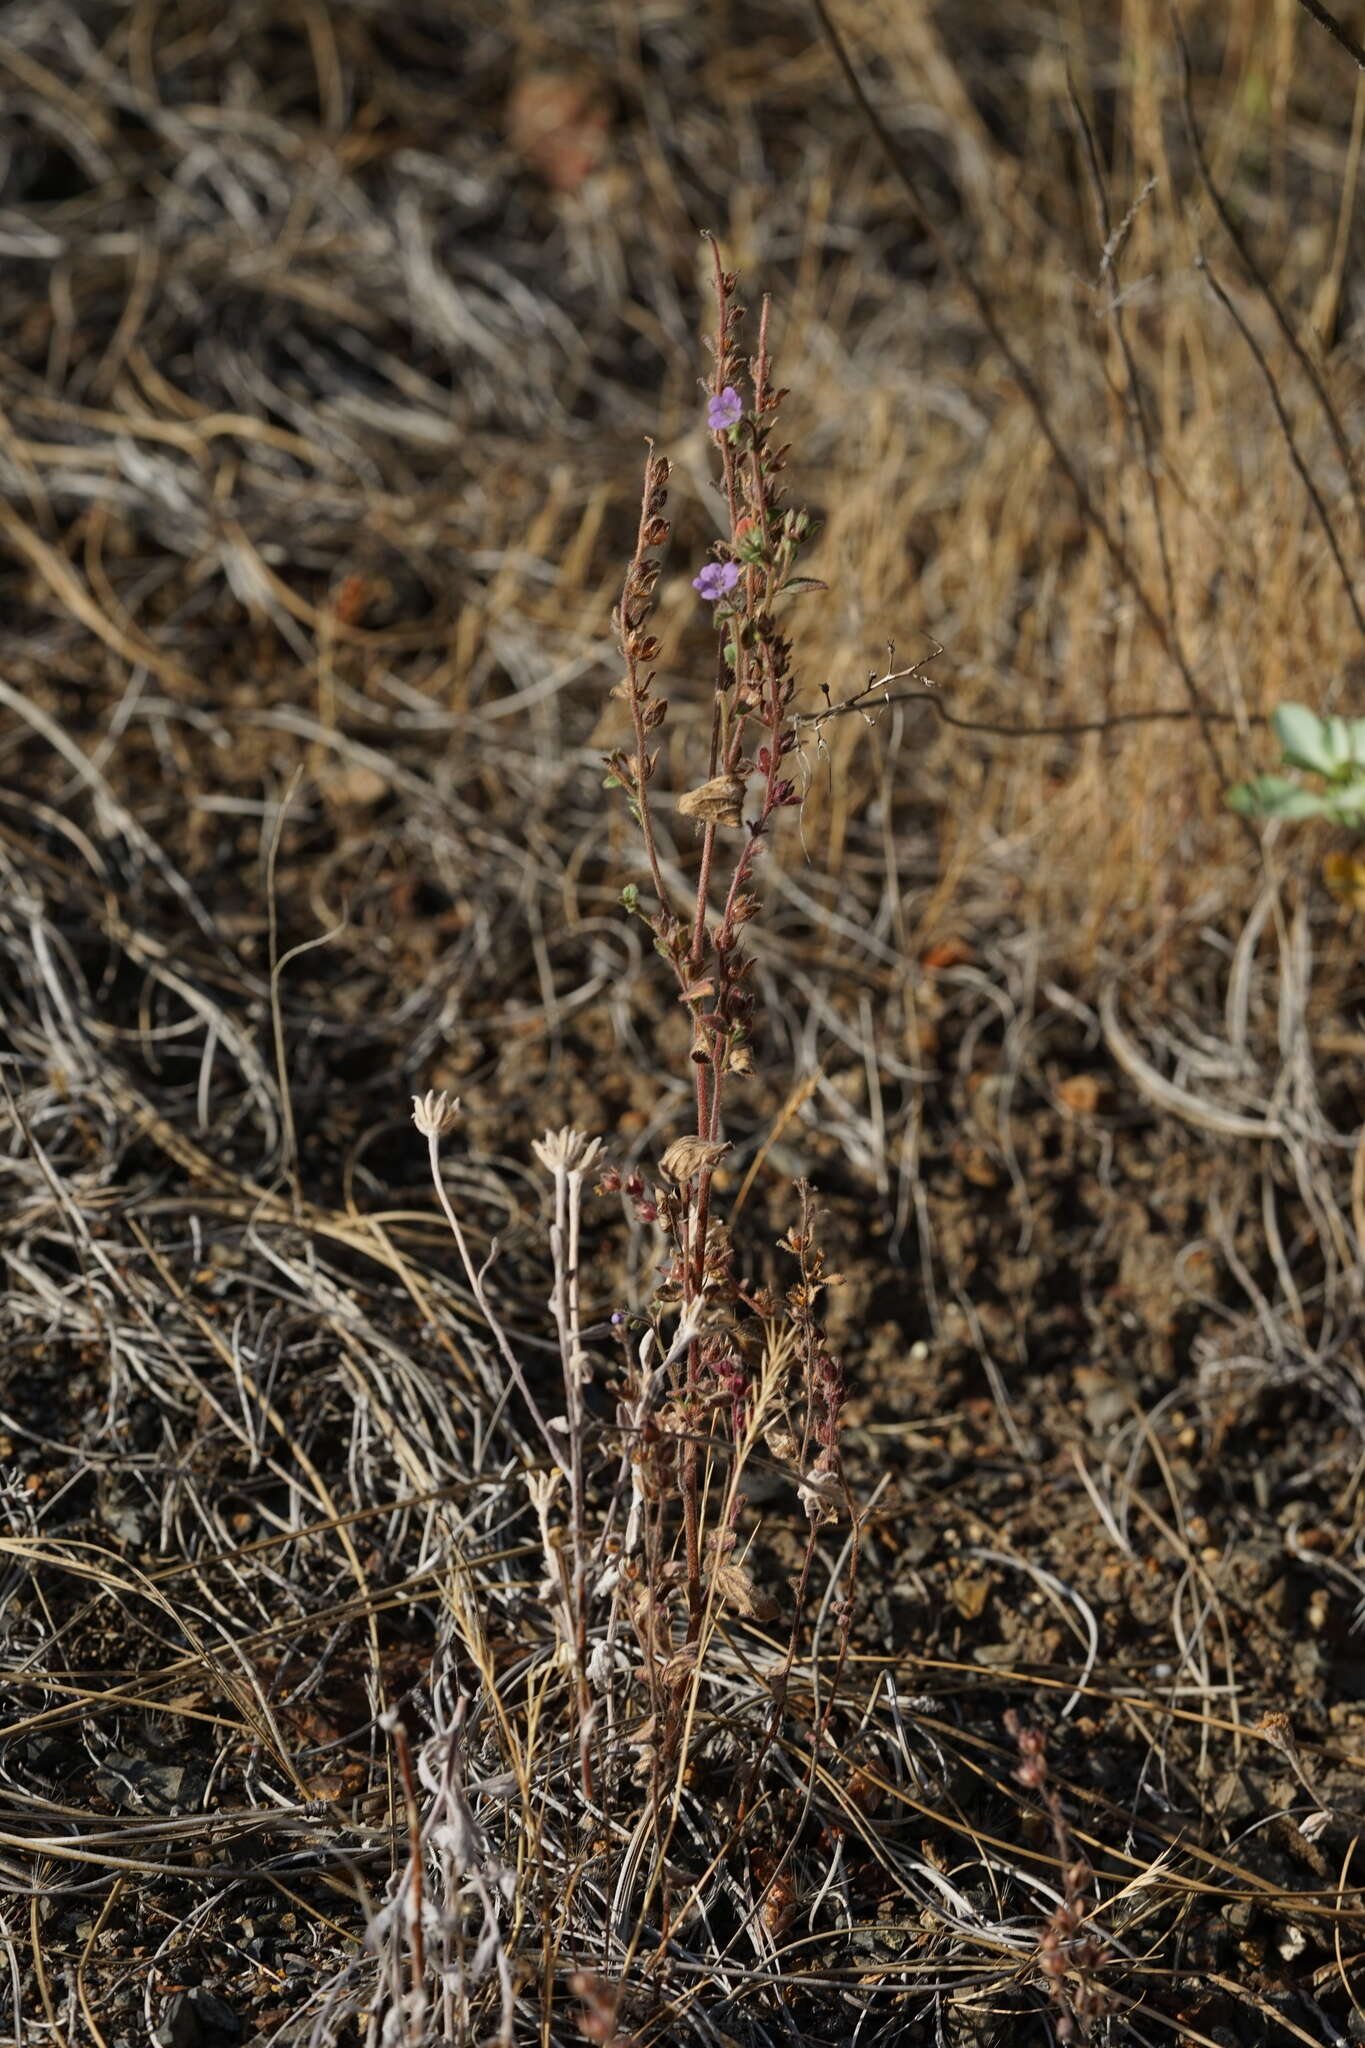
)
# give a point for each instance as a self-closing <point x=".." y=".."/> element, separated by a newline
<point x="321" y="418"/>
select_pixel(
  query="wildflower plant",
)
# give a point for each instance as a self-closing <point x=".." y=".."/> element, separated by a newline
<point x="748" y="781"/>
<point x="640" y="1525"/>
<point x="1332" y="749"/>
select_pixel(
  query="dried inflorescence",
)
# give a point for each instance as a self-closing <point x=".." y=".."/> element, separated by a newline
<point x="435" y="1115"/>
<point x="1070" y="1951"/>
<point x="567" y="1151"/>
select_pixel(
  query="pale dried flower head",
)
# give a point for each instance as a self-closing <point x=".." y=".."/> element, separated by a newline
<point x="1278" y="1731"/>
<point x="542" y="1488"/>
<point x="435" y="1114"/>
<point x="567" y="1150"/>
<point x="687" y="1157"/>
<point x="718" y="802"/>
<point x="820" y="1492"/>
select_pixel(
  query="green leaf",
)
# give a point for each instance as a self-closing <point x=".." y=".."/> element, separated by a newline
<point x="630" y="896"/>
<point x="1275" y="796"/>
<point x="1346" y="801"/>
<point x="1356" y="727"/>
<point x="1338" y="737"/>
<point x="1308" y="741"/>
<point x="794" y="585"/>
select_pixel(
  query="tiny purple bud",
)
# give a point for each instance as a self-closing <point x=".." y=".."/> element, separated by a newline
<point x="724" y="411"/>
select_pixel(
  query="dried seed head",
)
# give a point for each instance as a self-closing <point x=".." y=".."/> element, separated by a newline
<point x="718" y="802"/>
<point x="782" y="1443"/>
<point x="820" y="1492"/>
<point x="567" y="1150"/>
<point x="687" y="1157"/>
<point x="435" y="1114"/>
<point x="1277" y="1730"/>
<point x="542" y="1488"/>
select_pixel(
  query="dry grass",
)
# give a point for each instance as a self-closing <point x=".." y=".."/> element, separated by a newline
<point x="322" y="418"/>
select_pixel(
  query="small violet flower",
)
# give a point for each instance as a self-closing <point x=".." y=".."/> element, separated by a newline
<point x="724" y="411"/>
<point x="716" y="580"/>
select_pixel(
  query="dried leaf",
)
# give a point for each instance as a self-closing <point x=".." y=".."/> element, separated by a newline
<point x="735" y="1585"/>
<point x="1344" y="874"/>
<point x="557" y="120"/>
<point x="970" y="1592"/>
<point x="946" y="953"/>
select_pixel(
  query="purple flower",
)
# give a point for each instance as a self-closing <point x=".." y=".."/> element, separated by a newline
<point x="722" y="412"/>
<point x="717" y="579"/>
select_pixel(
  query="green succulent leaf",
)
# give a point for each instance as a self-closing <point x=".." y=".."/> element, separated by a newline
<point x="1345" y="802"/>
<point x="1275" y="796"/>
<point x="1338" y="737"/>
<point x="1308" y="741"/>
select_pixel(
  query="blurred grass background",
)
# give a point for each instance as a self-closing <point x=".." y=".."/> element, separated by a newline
<point x="336" y="331"/>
